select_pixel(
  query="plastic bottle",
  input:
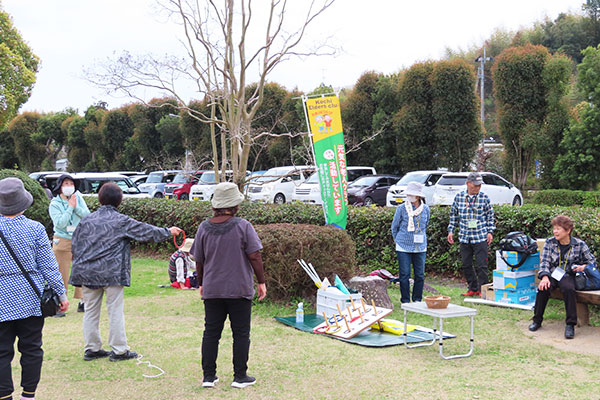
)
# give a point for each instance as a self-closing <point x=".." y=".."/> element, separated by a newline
<point x="300" y="313"/>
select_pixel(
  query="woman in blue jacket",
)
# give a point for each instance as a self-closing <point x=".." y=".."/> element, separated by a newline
<point x="409" y="230"/>
<point x="66" y="210"/>
<point x="20" y="312"/>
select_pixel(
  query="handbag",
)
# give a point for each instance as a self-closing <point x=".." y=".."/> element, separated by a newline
<point x="49" y="301"/>
<point x="588" y="279"/>
<point x="519" y="242"/>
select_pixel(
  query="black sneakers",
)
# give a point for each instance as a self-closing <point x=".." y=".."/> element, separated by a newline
<point x="534" y="326"/>
<point x="243" y="382"/>
<point x="93" y="355"/>
<point x="128" y="355"/>
<point x="209" y="381"/>
<point x="569" y="332"/>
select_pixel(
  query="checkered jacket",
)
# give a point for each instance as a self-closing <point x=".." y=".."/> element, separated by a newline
<point x="463" y="210"/>
<point x="579" y="255"/>
<point x="30" y="243"/>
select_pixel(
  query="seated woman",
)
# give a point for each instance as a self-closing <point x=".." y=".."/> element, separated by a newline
<point x="562" y="257"/>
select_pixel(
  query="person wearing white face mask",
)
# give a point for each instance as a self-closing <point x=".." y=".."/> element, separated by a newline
<point x="409" y="230"/>
<point x="66" y="209"/>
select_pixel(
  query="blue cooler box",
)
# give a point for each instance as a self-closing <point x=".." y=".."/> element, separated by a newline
<point x="524" y="296"/>
<point x="514" y="280"/>
<point x="533" y="261"/>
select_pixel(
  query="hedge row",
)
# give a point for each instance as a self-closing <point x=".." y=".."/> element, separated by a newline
<point x="565" y="197"/>
<point x="368" y="227"/>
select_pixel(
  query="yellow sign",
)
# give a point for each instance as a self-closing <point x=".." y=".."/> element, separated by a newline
<point x="324" y="117"/>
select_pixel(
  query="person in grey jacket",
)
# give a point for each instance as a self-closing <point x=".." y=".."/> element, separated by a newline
<point x="102" y="265"/>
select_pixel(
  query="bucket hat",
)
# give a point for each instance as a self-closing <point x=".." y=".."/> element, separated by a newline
<point x="13" y="196"/>
<point x="187" y="245"/>
<point x="226" y="195"/>
<point x="414" y="189"/>
<point x="475" y="178"/>
<point x="59" y="182"/>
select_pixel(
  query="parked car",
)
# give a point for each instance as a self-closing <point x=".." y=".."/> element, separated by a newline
<point x="205" y="187"/>
<point x="310" y="190"/>
<point x="498" y="189"/>
<point x="138" y="179"/>
<point x="91" y="182"/>
<point x="277" y="184"/>
<point x="156" y="181"/>
<point x="180" y="188"/>
<point x="128" y="173"/>
<point x="370" y="189"/>
<point x="395" y="195"/>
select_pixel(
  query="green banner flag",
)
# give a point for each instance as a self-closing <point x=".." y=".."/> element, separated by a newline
<point x="325" y="124"/>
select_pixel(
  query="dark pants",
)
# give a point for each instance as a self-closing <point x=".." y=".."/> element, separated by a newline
<point x="215" y="313"/>
<point x="405" y="260"/>
<point x="29" y="332"/>
<point x="567" y="288"/>
<point x="479" y="275"/>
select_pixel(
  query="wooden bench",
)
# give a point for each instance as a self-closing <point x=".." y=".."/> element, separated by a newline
<point x="583" y="299"/>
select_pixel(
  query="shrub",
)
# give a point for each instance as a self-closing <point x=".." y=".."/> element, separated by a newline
<point x="39" y="209"/>
<point x="369" y="228"/>
<point x="330" y="250"/>
<point x="565" y="197"/>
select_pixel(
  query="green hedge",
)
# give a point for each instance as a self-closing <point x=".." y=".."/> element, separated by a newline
<point x="565" y="197"/>
<point x="39" y="209"/>
<point x="368" y="227"/>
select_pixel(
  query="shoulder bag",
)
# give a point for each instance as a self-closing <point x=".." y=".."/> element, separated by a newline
<point x="49" y="301"/>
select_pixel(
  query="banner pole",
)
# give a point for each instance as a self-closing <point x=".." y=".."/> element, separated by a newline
<point x="314" y="160"/>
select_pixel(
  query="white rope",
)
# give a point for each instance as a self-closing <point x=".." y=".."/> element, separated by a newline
<point x="149" y="366"/>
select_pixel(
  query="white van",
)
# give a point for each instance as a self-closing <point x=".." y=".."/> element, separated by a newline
<point x="277" y="184"/>
<point x="310" y="191"/>
<point x="205" y="188"/>
<point x="498" y="189"/>
<point x="396" y="196"/>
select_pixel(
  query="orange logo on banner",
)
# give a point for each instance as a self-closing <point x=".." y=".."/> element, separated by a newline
<point x="324" y="117"/>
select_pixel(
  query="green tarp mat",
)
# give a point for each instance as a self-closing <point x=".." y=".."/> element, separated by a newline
<point x="369" y="338"/>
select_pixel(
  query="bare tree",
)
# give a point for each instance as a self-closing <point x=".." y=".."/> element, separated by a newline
<point x="222" y="55"/>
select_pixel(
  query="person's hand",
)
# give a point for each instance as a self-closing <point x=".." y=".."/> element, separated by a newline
<point x="262" y="291"/>
<point x="489" y="238"/>
<point x="451" y="238"/>
<point x="175" y="230"/>
<point x="200" y="288"/>
<point x="578" y="268"/>
<point x="73" y="201"/>
<point x="544" y="283"/>
<point x="64" y="306"/>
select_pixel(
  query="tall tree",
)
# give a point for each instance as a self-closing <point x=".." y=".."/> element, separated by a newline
<point x="116" y="129"/>
<point x="221" y="59"/>
<point x="521" y="101"/>
<point x="578" y="166"/>
<point x="52" y="134"/>
<point x="30" y="153"/>
<point x="18" y="66"/>
<point x="455" y="112"/>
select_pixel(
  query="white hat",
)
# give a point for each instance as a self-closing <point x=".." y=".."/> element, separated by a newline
<point x="226" y="195"/>
<point x="187" y="245"/>
<point x="414" y="189"/>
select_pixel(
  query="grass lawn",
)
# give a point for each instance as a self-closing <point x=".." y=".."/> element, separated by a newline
<point x="165" y="325"/>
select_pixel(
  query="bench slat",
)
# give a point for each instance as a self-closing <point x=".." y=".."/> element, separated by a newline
<point x="588" y="296"/>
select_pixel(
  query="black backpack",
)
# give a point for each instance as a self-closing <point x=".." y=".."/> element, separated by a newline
<point x="519" y="242"/>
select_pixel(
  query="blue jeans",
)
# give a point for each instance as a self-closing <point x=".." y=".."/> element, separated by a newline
<point x="418" y="263"/>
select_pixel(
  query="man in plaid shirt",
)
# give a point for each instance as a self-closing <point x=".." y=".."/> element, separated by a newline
<point x="474" y="214"/>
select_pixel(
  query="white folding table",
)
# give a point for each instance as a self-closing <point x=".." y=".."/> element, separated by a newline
<point x="452" y="311"/>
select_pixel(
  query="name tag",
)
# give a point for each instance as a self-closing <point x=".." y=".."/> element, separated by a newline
<point x="472" y="224"/>
<point x="419" y="238"/>
<point x="71" y="228"/>
<point x="558" y="273"/>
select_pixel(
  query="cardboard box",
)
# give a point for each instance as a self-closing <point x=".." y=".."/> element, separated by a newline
<point x="533" y="261"/>
<point x="514" y="280"/>
<point x="327" y="301"/>
<point x="487" y="291"/>
<point x="525" y="296"/>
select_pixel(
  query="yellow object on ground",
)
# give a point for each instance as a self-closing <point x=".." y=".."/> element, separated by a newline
<point x="393" y="326"/>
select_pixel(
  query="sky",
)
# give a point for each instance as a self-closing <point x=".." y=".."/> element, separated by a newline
<point x="74" y="36"/>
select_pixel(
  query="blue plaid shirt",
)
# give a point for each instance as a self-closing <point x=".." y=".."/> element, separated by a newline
<point x="30" y="243"/>
<point x="477" y="208"/>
